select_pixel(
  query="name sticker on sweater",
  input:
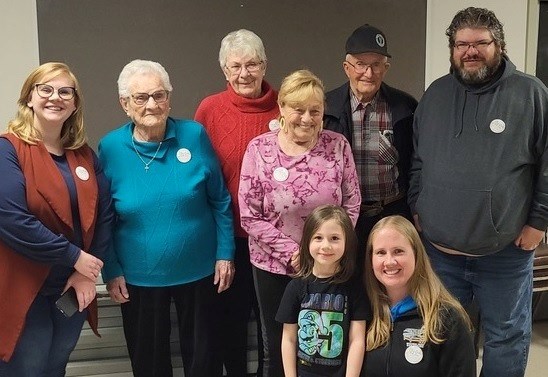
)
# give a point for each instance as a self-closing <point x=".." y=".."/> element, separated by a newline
<point x="497" y="126"/>
<point x="274" y="124"/>
<point x="281" y="174"/>
<point x="184" y="155"/>
<point x="82" y="173"/>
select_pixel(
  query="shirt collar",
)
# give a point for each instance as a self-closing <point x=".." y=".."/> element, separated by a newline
<point x="356" y="105"/>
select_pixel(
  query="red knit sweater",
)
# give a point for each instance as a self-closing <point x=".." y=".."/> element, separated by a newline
<point x="231" y="122"/>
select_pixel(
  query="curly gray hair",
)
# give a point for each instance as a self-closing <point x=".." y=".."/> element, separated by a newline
<point x="477" y="18"/>
<point x="242" y="42"/>
<point x="137" y="67"/>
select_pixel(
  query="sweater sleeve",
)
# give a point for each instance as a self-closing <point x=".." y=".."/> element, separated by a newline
<point x="219" y="200"/>
<point x="19" y="228"/>
<point x="102" y="235"/>
<point x="112" y="267"/>
<point x="253" y="217"/>
<point x="457" y="353"/>
<point x="201" y="113"/>
<point x="350" y="185"/>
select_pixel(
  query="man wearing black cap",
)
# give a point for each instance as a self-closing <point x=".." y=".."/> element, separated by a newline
<point x="377" y="120"/>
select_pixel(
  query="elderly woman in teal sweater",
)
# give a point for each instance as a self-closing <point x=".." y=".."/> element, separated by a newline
<point x="173" y="238"/>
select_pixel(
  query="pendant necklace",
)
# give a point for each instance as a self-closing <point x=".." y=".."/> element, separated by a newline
<point x="141" y="158"/>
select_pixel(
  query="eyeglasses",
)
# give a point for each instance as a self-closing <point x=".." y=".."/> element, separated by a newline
<point x="160" y="96"/>
<point x="479" y="46"/>
<point x="250" y="67"/>
<point x="360" y="67"/>
<point x="46" y="91"/>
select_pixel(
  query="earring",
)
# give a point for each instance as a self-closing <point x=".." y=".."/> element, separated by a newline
<point x="282" y="123"/>
<point x="127" y="113"/>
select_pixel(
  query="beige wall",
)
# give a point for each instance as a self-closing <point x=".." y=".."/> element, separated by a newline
<point x="514" y="14"/>
<point x="19" y="46"/>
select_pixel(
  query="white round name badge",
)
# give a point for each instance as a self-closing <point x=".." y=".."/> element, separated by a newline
<point x="497" y="126"/>
<point x="413" y="354"/>
<point x="274" y="124"/>
<point x="184" y="155"/>
<point x="82" y="173"/>
<point x="281" y="174"/>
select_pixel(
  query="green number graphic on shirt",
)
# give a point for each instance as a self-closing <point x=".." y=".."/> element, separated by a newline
<point x="320" y="333"/>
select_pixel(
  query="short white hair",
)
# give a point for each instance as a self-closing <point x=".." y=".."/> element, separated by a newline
<point x="139" y="67"/>
<point x="241" y="42"/>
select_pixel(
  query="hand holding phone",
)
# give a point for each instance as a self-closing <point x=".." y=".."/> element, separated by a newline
<point x="68" y="303"/>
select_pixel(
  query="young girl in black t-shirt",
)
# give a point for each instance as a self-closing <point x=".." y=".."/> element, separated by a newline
<point x="324" y="310"/>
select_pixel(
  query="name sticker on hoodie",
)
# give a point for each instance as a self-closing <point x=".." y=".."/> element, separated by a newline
<point x="497" y="126"/>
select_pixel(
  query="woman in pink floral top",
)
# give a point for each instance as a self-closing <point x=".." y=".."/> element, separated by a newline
<point x="285" y="175"/>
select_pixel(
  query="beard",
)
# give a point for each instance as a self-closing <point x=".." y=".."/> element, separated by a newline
<point x="480" y="75"/>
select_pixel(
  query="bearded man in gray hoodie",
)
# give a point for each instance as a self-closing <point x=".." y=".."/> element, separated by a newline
<point x="479" y="183"/>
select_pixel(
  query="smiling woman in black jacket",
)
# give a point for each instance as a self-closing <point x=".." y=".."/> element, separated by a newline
<point x="418" y="328"/>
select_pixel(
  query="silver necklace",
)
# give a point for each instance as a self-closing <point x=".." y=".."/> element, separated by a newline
<point x="141" y="158"/>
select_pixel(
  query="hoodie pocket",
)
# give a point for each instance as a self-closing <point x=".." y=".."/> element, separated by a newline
<point x="460" y="219"/>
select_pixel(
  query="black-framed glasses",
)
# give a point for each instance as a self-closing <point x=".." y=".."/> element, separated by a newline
<point x="479" y="46"/>
<point x="250" y="67"/>
<point x="159" y="96"/>
<point x="361" y="67"/>
<point x="46" y="91"/>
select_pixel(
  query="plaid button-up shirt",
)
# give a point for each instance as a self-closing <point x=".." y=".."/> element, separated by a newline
<point x="374" y="154"/>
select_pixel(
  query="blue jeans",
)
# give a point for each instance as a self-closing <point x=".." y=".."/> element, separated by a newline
<point x="501" y="284"/>
<point x="46" y="342"/>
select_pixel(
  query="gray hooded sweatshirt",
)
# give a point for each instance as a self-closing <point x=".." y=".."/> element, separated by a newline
<point x="480" y="165"/>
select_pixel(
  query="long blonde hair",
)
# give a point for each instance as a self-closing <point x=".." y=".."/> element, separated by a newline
<point x="73" y="135"/>
<point x="432" y="298"/>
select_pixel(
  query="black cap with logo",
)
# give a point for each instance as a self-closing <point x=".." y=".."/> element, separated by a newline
<point x="367" y="38"/>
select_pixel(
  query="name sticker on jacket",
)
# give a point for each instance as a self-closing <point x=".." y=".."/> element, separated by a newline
<point x="415" y="341"/>
<point x="82" y="173"/>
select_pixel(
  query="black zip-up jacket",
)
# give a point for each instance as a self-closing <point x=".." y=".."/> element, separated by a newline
<point x="453" y="358"/>
<point x="338" y="117"/>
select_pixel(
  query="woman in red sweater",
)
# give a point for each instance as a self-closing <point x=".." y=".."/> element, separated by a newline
<point x="232" y="118"/>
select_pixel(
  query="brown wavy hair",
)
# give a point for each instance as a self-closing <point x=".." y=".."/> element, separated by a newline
<point x="313" y="222"/>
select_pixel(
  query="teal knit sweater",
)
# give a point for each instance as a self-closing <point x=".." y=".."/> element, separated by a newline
<point x="174" y="220"/>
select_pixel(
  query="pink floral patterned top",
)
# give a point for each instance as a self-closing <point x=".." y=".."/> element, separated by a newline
<point x="277" y="192"/>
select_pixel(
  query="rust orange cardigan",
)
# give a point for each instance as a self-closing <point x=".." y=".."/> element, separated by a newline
<point x="48" y="199"/>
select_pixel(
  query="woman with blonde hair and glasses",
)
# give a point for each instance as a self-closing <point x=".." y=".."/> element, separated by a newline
<point x="55" y="225"/>
<point x="286" y="173"/>
<point x="418" y="328"/>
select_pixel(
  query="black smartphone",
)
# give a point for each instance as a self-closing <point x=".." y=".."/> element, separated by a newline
<point x="68" y="303"/>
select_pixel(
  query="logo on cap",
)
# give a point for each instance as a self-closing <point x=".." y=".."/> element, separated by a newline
<point x="380" y="40"/>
